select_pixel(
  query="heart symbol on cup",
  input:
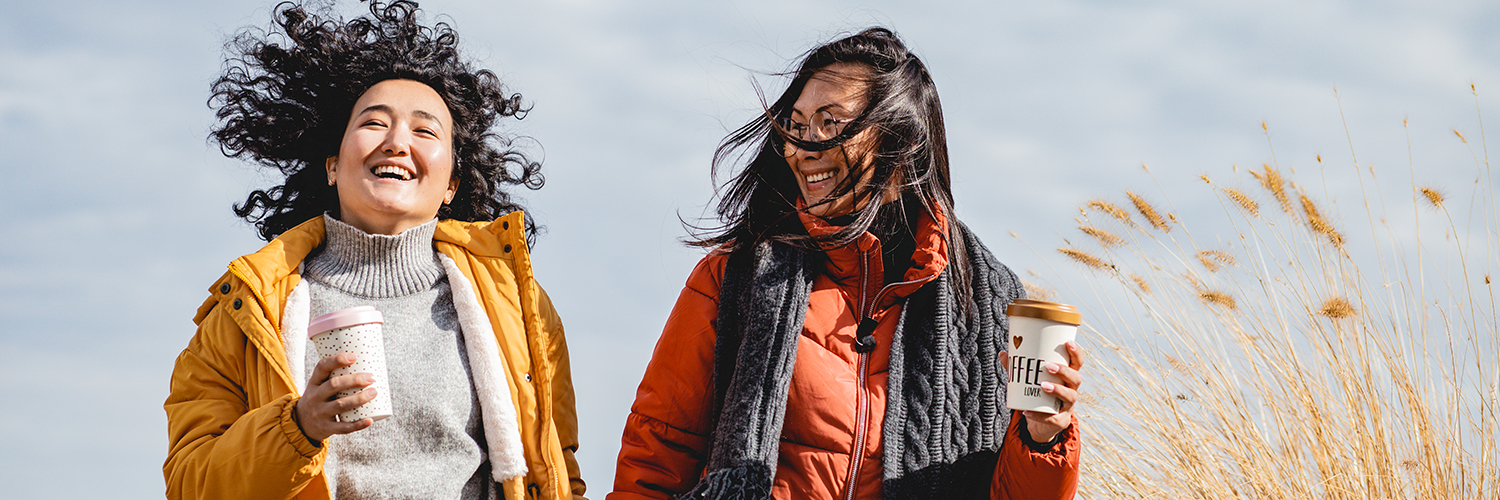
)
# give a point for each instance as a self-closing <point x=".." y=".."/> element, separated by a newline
<point x="1016" y="340"/>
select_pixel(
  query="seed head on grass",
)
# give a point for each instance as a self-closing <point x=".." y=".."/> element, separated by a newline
<point x="1319" y="224"/>
<point x="1106" y="238"/>
<point x="1149" y="212"/>
<point x="1178" y="365"/>
<point x="1111" y="210"/>
<point x="1273" y="182"/>
<point x="1085" y="259"/>
<point x="1336" y="308"/>
<point x="1218" y="298"/>
<point x="1245" y="202"/>
<point x="1036" y="291"/>
<point x="1433" y="196"/>
<point x="1211" y="259"/>
<point x="1146" y="288"/>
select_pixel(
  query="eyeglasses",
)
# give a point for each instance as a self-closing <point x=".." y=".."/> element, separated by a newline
<point x="822" y="127"/>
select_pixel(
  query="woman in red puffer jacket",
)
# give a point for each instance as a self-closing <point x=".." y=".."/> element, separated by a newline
<point x="844" y="338"/>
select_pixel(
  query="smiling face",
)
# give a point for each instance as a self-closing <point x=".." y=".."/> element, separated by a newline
<point x="394" y="169"/>
<point x="838" y="90"/>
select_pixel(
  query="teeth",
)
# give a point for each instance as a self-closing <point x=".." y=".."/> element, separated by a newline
<point x="819" y="177"/>
<point x="393" y="170"/>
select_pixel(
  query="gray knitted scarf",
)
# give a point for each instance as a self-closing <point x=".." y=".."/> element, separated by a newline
<point x="945" y="415"/>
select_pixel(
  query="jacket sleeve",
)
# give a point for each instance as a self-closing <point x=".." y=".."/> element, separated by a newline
<point x="663" y="449"/>
<point x="564" y="404"/>
<point x="219" y="446"/>
<point x="1031" y="471"/>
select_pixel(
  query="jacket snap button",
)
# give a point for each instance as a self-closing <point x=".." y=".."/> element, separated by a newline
<point x="528" y="377"/>
<point x="505" y="224"/>
<point x="507" y="248"/>
<point x="237" y="304"/>
<point x="224" y="288"/>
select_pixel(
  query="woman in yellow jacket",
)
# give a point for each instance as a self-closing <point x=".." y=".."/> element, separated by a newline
<point x="392" y="197"/>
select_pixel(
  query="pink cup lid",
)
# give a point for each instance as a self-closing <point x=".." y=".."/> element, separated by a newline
<point x="344" y="318"/>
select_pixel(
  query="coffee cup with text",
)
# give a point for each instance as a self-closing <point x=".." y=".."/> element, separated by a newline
<point x="1039" y="332"/>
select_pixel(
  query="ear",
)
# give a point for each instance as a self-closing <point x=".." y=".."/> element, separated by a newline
<point x="452" y="189"/>
<point x="332" y="172"/>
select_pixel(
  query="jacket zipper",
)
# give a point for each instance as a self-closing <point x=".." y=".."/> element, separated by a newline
<point x="862" y="424"/>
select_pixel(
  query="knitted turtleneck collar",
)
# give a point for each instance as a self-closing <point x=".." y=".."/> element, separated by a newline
<point x="375" y="265"/>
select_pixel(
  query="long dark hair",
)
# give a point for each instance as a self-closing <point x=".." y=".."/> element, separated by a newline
<point x="285" y="96"/>
<point x="911" y="157"/>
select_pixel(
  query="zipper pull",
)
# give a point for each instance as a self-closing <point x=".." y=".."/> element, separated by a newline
<point x="864" y="340"/>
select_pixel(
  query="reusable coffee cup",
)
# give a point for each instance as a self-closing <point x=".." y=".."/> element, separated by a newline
<point x="1038" y="332"/>
<point x="356" y="330"/>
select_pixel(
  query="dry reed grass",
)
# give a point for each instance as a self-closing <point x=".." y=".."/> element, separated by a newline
<point x="1297" y="373"/>
<point x="1111" y="210"/>
<point x="1105" y="238"/>
<point x="1085" y="258"/>
<point x="1212" y="259"/>
<point x="1245" y="202"/>
<point x="1149" y="212"/>
<point x="1434" y="197"/>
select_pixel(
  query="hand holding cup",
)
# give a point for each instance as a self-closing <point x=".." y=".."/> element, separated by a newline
<point x="1045" y="426"/>
<point x="319" y="407"/>
<point x="349" y="388"/>
<point x="1042" y="365"/>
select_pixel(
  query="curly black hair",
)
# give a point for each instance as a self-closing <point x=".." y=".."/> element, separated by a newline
<point x="285" y="97"/>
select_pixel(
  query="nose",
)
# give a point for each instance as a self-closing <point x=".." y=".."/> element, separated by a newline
<point x="397" y="142"/>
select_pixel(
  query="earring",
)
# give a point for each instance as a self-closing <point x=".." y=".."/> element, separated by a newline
<point x="330" y="181"/>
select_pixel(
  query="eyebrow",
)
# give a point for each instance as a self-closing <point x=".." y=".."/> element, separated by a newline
<point x="820" y="109"/>
<point x="387" y="109"/>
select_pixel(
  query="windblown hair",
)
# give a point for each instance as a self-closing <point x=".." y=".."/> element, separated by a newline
<point x="285" y="98"/>
<point x="910" y="159"/>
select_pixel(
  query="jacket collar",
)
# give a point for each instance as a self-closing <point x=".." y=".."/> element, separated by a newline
<point x="266" y="271"/>
<point x="860" y="258"/>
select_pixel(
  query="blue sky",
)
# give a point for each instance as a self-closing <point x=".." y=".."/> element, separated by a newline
<point x="115" y="207"/>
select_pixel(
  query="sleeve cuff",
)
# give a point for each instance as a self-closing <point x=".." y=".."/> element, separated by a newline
<point x="293" y="432"/>
<point x="1053" y="446"/>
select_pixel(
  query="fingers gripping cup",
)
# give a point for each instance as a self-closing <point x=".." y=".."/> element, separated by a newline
<point x="1038" y="332"/>
<point x="356" y="330"/>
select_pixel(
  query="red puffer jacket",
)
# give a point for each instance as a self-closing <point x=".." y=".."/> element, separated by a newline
<point x="831" y="438"/>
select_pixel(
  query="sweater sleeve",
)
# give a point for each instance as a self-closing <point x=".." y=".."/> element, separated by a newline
<point x="664" y="446"/>
<point x="1024" y="473"/>
<point x="219" y="446"/>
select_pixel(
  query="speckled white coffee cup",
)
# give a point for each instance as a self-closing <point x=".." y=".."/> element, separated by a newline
<point x="1038" y="331"/>
<point x="356" y="330"/>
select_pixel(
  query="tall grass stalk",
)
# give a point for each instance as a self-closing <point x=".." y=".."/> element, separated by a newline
<point x="1275" y="354"/>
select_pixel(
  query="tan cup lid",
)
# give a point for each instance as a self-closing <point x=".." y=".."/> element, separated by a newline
<point x="1041" y="309"/>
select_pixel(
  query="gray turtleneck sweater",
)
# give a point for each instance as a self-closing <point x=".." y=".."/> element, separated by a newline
<point x="433" y="446"/>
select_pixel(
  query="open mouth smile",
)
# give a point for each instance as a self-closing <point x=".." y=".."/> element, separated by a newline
<point x="392" y="172"/>
<point x="818" y="177"/>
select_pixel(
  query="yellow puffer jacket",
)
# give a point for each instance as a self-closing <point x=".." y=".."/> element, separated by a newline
<point x="229" y="420"/>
